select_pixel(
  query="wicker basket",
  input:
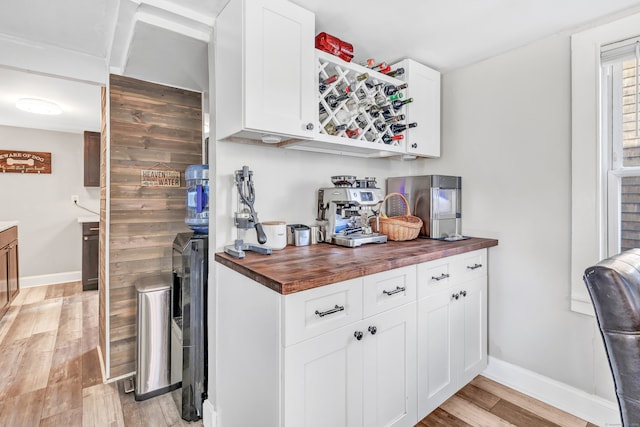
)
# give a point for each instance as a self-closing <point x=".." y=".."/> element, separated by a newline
<point x="399" y="228"/>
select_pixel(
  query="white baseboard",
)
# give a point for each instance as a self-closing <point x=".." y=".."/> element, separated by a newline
<point x="208" y="414"/>
<point x="592" y="408"/>
<point x="50" y="279"/>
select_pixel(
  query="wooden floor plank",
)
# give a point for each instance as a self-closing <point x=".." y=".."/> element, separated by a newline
<point x="480" y="397"/>
<point x="66" y="361"/>
<point x="35" y="364"/>
<point x="48" y="317"/>
<point x="54" y="291"/>
<point x="101" y="406"/>
<point x="23" y="410"/>
<point x="441" y="418"/>
<point x="72" y="418"/>
<point x="7" y="320"/>
<point x="91" y="372"/>
<point x="22" y="326"/>
<point x="542" y="409"/>
<point x="519" y="416"/>
<point x="62" y="397"/>
<point x="36" y="295"/>
<point x="472" y="414"/>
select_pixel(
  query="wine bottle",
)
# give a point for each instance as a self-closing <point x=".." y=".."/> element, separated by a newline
<point x="380" y="125"/>
<point x="333" y="129"/>
<point x="396" y="73"/>
<point x="374" y="111"/>
<point x="380" y="66"/>
<point x="380" y="99"/>
<point x="324" y="83"/>
<point x="397" y="104"/>
<point x="396" y="128"/>
<point x="393" y="89"/>
<point x="388" y="139"/>
<point x="368" y="63"/>
<point x="333" y="101"/>
<point x="361" y="77"/>
<point x="396" y="96"/>
<point x="394" y="119"/>
<point x="385" y="70"/>
<point x="352" y="132"/>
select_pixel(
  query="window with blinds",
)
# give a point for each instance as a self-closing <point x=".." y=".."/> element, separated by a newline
<point x="621" y="131"/>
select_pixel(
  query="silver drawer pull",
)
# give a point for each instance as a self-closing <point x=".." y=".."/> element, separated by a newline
<point x="335" y="309"/>
<point x="442" y="276"/>
<point x="94" y="229"/>
<point x="474" y="266"/>
<point x="395" y="291"/>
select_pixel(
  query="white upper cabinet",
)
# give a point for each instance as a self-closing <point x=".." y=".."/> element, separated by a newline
<point x="424" y="87"/>
<point x="265" y="71"/>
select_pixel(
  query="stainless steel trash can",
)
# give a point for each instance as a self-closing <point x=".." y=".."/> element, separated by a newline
<point x="153" y="347"/>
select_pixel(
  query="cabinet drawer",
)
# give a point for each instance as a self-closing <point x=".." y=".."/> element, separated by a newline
<point x="434" y="276"/>
<point x="471" y="265"/>
<point x="316" y="311"/>
<point x="389" y="289"/>
<point x="8" y="236"/>
<point x="89" y="228"/>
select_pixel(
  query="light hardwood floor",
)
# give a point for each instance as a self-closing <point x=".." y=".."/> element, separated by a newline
<point x="50" y="376"/>
<point x="50" y="372"/>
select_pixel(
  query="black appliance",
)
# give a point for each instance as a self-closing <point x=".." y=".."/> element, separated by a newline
<point x="189" y="320"/>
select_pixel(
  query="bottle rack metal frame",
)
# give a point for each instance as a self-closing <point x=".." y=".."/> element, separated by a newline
<point x="329" y="65"/>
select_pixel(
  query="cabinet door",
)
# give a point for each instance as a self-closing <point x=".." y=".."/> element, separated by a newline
<point x="12" y="279"/>
<point x="90" y="255"/>
<point x="436" y="341"/>
<point x="91" y="159"/>
<point x="323" y="380"/>
<point x="471" y="322"/>
<point x="4" y="280"/>
<point x="279" y="68"/>
<point x="424" y="88"/>
<point x="390" y="394"/>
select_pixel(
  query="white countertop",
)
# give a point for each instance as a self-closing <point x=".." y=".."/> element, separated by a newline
<point x="89" y="218"/>
<point x="5" y="225"/>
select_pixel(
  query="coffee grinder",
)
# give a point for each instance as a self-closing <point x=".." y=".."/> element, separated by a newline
<point x="246" y="217"/>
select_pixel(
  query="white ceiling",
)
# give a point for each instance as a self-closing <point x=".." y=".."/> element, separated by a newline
<point x="166" y="41"/>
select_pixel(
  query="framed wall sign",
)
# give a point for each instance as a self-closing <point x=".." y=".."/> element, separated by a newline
<point x="159" y="178"/>
<point x="25" y="161"/>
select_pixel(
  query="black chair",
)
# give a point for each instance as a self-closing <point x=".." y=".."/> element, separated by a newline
<point x="614" y="287"/>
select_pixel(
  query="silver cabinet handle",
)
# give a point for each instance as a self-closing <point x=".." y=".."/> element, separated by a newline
<point x="358" y="335"/>
<point x="442" y="276"/>
<point x="474" y="266"/>
<point x="455" y="296"/>
<point x="335" y="309"/>
<point x="94" y="228"/>
<point x="395" y="291"/>
<point x="463" y="293"/>
<point x="373" y="330"/>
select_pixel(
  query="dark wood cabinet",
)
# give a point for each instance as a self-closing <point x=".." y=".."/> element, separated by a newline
<point x="9" y="282"/>
<point x="90" y="255"/>
<point x="91" y="159"/>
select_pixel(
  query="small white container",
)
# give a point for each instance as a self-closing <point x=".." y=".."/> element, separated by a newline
<point x="276" y="232"/>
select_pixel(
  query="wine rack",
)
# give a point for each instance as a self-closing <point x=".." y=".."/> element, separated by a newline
<point x="349" y="111"/>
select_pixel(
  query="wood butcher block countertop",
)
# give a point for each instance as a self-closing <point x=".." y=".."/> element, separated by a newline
<point x="298" y="268"/>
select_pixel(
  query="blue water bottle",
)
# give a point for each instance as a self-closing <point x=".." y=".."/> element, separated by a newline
<point x="197" y="177"/>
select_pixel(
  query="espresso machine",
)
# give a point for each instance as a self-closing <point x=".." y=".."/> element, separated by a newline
<point x="345" y="212"/>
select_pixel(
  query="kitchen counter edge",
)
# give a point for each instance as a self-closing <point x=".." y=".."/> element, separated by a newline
<point x="296" y="269"/>
<point x="5" y="225"/>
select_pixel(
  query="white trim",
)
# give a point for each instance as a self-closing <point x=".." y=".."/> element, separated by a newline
<point x="50" y="279"/>
<point x="588" y="213"/>
<point x="592" y="408"/>
<point x="208" y="414"/>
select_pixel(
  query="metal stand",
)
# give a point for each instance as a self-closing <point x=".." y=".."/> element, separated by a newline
<point x="239" y="246"/>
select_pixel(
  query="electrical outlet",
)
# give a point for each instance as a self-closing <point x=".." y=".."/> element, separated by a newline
<point x="75" y="199"/>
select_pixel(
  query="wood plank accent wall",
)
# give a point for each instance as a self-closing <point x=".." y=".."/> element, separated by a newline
<point x="151" y="127"/>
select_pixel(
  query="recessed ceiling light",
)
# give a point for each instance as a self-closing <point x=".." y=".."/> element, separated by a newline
<point x="38" y="106"/>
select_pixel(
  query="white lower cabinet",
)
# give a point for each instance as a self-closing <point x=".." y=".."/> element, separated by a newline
<point x="452" y="336"/>
<point x="381" y="350"/>
<point x="363" y="374"/>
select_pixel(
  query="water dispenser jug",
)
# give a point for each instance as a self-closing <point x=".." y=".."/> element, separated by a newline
<point x="197" y="177"/>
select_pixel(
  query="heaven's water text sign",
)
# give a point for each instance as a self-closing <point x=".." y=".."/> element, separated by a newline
<point x="159" y="178"/>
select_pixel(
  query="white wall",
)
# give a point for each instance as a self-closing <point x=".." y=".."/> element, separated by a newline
<point x="286" y="181"/>
<point x="506" y="131"/>
<point x="49" y="235"/>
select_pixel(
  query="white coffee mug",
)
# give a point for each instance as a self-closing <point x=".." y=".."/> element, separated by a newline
<point x="276" y="232"/>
